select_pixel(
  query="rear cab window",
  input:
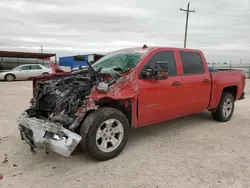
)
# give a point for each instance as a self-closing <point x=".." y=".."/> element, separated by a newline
<point x="192" y="63"/>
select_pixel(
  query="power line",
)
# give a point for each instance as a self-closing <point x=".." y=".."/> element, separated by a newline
<point x="187" y="17"/>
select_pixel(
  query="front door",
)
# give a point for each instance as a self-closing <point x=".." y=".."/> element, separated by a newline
<point x="23" y="73"/>
<point x="158" y="100"/>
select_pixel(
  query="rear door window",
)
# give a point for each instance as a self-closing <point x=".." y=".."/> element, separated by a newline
<point x="192" y="63"/>
<point x="35" y="67"/>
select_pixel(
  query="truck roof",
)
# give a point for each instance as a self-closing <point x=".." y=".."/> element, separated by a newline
<point x="159" y="47"/>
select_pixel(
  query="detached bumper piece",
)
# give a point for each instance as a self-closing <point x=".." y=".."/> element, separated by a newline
<point x="242" y="96"/>
<point x="46" y="135"/>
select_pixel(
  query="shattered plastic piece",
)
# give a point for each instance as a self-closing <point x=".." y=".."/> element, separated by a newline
<point x="102" y="87"/>
<point x="5" y="159"/>
<point x="17" y="174"/>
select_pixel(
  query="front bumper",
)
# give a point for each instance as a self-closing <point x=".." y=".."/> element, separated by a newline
<point x="47" y="135"/>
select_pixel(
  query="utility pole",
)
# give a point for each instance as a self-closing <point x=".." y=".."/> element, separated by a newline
<point x="42" y="52"/>
<point x="2" y="50"/>
<point x="187" y="11"/>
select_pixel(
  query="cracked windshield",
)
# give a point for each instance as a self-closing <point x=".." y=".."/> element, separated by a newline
<point x="120" y="61"/>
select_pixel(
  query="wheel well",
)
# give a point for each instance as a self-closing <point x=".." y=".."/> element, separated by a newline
<point x="45" y="73"/>
<point x="231" y="89"/>
<point x="121" y="105"/>
<point x="9" y="74"/>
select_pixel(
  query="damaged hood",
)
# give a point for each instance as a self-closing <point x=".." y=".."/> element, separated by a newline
<point x="123" y="88"/>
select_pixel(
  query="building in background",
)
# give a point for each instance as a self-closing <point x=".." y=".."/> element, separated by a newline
<point x="74" y="61"/>
<point x="10" y="59"/>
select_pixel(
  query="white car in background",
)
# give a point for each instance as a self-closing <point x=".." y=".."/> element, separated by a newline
<point x="24" y="72"/>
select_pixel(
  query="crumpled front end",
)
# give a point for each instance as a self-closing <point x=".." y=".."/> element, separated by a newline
<point x="60" y="104"/>
<point x="39" y="133"/>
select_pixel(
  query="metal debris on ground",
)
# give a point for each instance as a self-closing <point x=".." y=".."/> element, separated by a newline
<point x="5" y="159"/>
<point x="17" y="174"/>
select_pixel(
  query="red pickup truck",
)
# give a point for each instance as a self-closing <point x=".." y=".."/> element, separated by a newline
<point x="129" y="88"/>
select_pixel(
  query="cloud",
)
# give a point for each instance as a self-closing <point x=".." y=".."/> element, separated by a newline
<point x="219" y="27"/>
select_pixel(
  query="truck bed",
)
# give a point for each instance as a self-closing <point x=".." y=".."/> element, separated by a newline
<point x="226" y="78"/>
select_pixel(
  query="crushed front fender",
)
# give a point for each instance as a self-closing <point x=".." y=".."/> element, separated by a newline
<point x="47" y="135"/>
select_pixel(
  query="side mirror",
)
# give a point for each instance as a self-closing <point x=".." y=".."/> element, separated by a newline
<point x="161" y="70"/>
<point x="19" y="69"/>
<point x="149" y="73"/>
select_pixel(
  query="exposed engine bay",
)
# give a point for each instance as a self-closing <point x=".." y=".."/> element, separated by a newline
<point x="58" y="100"/>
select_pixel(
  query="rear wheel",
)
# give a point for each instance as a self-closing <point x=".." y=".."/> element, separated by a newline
<point x="225" y="108"/>
<point x="105" y="133"/>
<point x="9" y="77"/>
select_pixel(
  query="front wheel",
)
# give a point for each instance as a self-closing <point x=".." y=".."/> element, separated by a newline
<point x="105" y="133"/>
<point x="9" y="77"/>
<point x="225" y="108"/>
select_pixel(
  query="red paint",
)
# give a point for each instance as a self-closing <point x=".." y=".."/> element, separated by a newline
<point x="124" y="88"/>
<point x="1" y="176"/>
<point x="159" y="100"/>
<point x="192" y="96"/>
<point x="155" y="101"/>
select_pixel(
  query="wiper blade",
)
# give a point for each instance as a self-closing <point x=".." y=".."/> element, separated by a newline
<point x="93" y="72"/>
<point x="82" y="58"/>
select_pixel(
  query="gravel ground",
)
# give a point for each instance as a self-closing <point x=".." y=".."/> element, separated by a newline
<point x="193" y="151"/>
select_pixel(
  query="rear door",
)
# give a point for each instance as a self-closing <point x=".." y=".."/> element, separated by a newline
<point x="196" y="82"/>
<point x="35" y="70"/>
<point x="159" y="100"/>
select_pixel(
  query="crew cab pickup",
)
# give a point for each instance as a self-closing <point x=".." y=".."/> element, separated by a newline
<point x="129" y="88"/>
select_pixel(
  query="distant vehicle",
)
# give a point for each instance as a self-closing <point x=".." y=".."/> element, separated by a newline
<point x="24" y="72"/>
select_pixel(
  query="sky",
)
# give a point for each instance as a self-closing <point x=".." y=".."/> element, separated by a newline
<point x="221" y="28"/>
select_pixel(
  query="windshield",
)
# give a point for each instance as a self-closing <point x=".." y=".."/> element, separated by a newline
<point x="16" y="68"/>
<point x="120" y="61"/>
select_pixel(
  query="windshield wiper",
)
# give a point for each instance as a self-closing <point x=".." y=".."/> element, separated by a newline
<point x="93" y="73"/>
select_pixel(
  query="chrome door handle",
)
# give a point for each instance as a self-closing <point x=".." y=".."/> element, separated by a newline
<point x="206" y="80"/>
<point x="176" y="83"/>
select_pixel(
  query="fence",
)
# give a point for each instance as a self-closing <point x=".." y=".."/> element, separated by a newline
<point x="244" y="67"/>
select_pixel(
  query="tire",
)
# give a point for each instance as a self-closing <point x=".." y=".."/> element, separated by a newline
<point x="98" y="122"/>
<point x="45" y="73"/>
<point x="220" y="114"/>
<point x="9" y="77"/>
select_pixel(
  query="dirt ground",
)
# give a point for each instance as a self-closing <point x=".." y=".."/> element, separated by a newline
<point x="193" y="151"/>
